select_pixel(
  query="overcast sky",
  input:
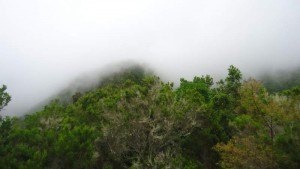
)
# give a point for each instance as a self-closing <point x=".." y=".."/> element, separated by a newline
<point x="44" y="44"/>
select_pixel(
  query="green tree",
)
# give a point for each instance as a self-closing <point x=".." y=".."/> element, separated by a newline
<point x="135" y="120"/>
<point x="4" y="97"/>
<point x="245" y="153"/>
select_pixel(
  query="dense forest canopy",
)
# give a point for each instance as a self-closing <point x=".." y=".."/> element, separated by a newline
<point x="135" y="120"/>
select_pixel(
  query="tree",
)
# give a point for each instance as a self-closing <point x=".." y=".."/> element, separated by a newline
<point x="134" y="120"/>
<point x="233" y="80"/>
<point x="245" y="153"/>
<point x="4" y="97"/>
<point x="144" y="125"/>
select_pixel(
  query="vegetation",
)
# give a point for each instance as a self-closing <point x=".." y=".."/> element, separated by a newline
<point x="134" y="120"/>
<point x="282" y="80"/>
<point x="4" y="97"/>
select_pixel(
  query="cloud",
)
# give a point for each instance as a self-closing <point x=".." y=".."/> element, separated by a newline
<point x="45" y="44"/>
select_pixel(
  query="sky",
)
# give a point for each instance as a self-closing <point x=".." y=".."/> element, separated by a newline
<point x="45" y="44"/>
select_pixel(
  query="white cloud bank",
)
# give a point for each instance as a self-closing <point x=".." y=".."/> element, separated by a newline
<point x="44" y="44"/>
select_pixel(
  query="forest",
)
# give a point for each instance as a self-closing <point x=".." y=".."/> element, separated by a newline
<point x="135" y="120"/>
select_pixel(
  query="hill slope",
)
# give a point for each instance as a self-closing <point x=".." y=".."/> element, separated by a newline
<point x="134" y="120"/>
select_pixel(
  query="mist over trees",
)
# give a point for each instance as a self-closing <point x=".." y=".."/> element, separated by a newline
<point x="132" y="119"/>
<point x="281" y="80"/>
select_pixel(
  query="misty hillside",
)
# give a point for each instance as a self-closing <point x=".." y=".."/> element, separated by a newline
<point x="132" y="119"/>
<point x="273" y="82"/>
<point x="149" y="84"/>
<point x="96" y="80"/>
<point x="45" y="45"/>
<point x="281" y="80"/>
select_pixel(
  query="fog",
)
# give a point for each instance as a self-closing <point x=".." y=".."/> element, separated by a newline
<point x="46" y="44"/>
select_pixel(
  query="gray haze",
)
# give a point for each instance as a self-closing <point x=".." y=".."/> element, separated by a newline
<point x="45" y="44"/>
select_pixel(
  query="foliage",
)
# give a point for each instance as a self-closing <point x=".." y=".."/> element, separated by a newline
<point x="135" y="120"/>
<point x="245" y="153"/>
<point x="4" y="97"/>
<point x="283" y="80"/>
